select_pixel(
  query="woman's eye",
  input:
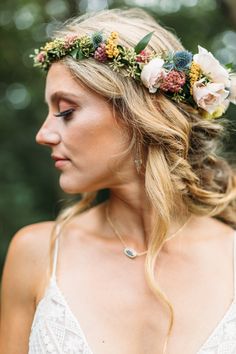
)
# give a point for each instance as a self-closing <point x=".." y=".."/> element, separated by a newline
<point x="65" y="114"/>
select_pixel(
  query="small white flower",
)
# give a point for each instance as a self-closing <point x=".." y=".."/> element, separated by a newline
<point x="211" y="67"/>
<point x="209" y="96"/>
<point x="152" y="74"/>
<point x="232" y="90"/>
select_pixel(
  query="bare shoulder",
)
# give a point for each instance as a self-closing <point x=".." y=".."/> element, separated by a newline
<point x="32" y="237"/>
<point x="225" y="236"/>
<point x="216" y="229"/>
<point x="24" y="269"/>
<point x="31" y="241"/>
<point x="213" y="237"/>
<point x="28" y="253"/>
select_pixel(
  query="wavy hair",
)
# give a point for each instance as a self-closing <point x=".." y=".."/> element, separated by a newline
<point x="185" y="170"/>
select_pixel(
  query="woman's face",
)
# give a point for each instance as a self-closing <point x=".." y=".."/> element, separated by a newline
<point x="85" y="143"/>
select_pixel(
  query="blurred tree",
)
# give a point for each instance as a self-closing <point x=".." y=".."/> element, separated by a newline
<point x="29" y="189"/>
<point x="229" y="9"/>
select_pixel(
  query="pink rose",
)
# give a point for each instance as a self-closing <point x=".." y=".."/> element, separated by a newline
<point x="209" y="96"/>
<point x="41" y="57"/>
<point x="211" y="67"/>
<point x="153" y="74"/>
<point x="70" y="40"/>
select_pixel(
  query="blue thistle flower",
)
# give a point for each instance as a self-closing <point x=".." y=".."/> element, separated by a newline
<point x="182" y="60"/>
<point x="97" y="38"/>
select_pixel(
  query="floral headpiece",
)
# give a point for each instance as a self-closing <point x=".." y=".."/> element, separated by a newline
<point x="199" y="80"/>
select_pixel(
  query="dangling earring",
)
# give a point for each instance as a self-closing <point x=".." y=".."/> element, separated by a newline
<point x="138" y="157"/>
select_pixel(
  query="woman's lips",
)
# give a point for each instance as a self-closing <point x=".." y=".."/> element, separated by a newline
<point x="61" y="163"/>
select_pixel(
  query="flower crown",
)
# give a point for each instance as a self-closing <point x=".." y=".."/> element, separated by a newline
<point x="199" y="80"/>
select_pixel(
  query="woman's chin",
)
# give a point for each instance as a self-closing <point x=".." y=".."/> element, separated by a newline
<point x="67" y="186"/>
<point x="70" y="188"/>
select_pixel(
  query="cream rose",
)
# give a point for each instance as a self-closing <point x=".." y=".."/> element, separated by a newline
<point x="152" y="74"/>
<point x="232" y="90"/>
<point x="209" y="96"/>
<point x="211" y="67"/>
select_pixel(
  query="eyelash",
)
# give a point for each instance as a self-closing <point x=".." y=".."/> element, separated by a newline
<point x="65" y="114"/>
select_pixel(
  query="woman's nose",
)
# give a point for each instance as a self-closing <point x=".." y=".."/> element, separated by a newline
<point x="47" y="135"/>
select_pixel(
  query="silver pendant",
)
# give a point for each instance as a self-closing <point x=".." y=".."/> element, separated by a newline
<point x="130" y="252"/>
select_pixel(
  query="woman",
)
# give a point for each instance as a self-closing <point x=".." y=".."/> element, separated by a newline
<point x="132" y="112"/>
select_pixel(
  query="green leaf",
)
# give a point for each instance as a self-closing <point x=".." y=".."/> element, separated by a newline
<point x="229" y="66"/>
<point x="121" y="49"/>
<point x="80" y="54"/>
<point x="74" y="53"/>
<point x="143" y="43"/>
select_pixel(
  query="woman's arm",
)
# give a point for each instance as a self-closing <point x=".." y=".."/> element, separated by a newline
<point x="24" y="271"/>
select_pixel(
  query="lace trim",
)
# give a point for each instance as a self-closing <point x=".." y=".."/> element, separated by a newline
<point x="55" y="329"/>
<point x="222" y="339"/>
<point x="54" y="316"/>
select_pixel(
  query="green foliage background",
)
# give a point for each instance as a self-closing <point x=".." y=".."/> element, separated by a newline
<point x="29" y="190"/>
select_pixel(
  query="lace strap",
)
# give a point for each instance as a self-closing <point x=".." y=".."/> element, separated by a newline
<point x="235" y="265"/>
<point x="55" y="255"/>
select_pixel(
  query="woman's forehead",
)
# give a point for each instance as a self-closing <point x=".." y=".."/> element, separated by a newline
<point x="60" y="83"/>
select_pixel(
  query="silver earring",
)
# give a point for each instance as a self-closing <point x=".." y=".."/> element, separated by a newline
<point x="138" y="158"/>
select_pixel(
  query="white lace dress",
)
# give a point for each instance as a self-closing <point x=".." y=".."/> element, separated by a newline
<point x="56" y="330"/>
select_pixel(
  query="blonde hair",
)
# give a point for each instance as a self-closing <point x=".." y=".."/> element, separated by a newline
<point x="183" y="169"/>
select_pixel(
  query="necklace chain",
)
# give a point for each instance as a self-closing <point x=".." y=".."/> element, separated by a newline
<point x="128" y="251"/>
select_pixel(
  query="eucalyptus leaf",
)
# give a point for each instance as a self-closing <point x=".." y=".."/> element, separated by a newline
<point x="143" y="43"/>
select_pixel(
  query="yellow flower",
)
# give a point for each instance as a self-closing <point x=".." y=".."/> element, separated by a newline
<point x="206" y="115"/>
<point x="111" y="45"/>
<point x="116" y="52"/>
<point x="195" y="73"/>
<point x="114" y="35"/>
<point x="218" y="112"/>
<point x="111" y="50"/>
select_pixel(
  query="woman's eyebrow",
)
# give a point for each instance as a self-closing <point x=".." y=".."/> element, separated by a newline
<point x="62" y="94"/>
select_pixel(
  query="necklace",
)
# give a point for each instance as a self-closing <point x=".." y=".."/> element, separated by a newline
<point x="128" y="251"/>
